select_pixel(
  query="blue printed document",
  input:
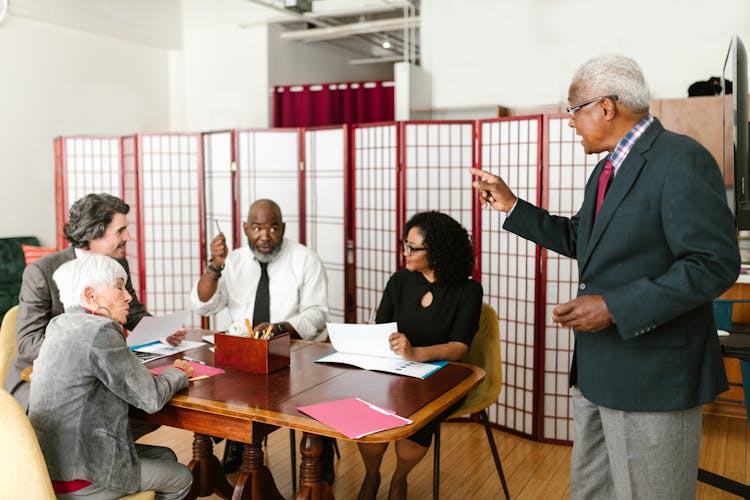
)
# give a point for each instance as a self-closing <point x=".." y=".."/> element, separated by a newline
<point x="367" y="346"/>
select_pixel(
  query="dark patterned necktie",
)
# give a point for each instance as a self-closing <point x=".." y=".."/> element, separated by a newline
<point x="261" y="312"/>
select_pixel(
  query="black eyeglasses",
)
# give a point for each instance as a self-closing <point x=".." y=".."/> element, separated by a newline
<point x="572" y="109"/>
<point x="409" y="249"/>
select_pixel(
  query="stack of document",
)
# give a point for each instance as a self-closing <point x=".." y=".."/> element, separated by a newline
<point x="147" y="339"/>
<point x="367" y="346"/>
<point x="353" y="417"/>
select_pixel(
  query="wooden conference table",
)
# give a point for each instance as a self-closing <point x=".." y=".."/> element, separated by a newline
<point x="246" y="407"/>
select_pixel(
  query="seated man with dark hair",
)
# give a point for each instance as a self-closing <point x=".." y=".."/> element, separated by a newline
<point x="97" y="223"/>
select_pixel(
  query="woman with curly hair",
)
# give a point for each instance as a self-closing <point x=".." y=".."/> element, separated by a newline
<point x="437" y="307"/>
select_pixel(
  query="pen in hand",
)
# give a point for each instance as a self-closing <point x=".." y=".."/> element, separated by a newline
<point x="193" y="360"/>
<point x="218" y="228"/>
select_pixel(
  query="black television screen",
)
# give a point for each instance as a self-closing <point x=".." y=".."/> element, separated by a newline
<point x="735" y="135"/>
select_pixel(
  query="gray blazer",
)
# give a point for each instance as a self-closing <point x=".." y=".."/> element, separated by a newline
<point x="662" y="248"/>
<point x="39" y="301"/>
<point x="84" y="380"/>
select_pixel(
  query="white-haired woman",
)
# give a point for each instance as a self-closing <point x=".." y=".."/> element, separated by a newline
<point x="84" y="381"/>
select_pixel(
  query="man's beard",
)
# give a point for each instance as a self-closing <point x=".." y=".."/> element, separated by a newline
<point x="265" y="257"/>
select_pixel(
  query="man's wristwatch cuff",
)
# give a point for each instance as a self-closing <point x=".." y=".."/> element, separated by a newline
<point x="214" y="268"/>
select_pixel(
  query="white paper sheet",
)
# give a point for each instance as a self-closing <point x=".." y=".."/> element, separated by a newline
<point x="159" y="349"/>
<point x="367" y="346"/>
<point x="153" y="328"/>
<point x="371" y="340"/>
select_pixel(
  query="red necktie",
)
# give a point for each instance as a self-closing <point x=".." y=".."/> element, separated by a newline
<point x="604" y="179"/>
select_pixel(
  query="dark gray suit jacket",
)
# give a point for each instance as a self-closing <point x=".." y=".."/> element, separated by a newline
<point x="661" y="249"/>
<point x="39" y="302"/>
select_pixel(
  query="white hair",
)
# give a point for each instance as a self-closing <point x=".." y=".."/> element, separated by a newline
<point x="92" y="270"/>
<point x="615" y="75"/>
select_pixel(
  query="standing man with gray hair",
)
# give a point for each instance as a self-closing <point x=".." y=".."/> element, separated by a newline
<point x="655" y="244"/>
<point x="97" y="223"/>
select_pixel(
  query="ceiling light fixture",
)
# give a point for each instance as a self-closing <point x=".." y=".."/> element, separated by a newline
<point x="386" y="42"/>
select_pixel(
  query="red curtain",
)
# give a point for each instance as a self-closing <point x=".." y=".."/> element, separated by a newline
<point x="332" y="104"/>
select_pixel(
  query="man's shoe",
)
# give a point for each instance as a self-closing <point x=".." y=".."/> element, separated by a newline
<point x="232" y="456"/>
<point x="326" y="460"/>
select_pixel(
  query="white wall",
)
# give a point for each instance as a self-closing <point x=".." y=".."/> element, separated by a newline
<point x="523" y="53"/>
<point x="220" y="78"/>
<point x="145" y="22"/>
<point x="62" y="81"/>
<point x="294" y="62"/>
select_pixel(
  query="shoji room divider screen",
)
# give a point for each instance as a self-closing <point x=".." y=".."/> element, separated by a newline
<point x="326" y="219"/>
<point x="375" y="211"/>
<point x="564" y="180"/>
<point x="346" y="193"/>
<point x="84" y="164"/>
<point x="165" y="186"/>
<point x="511" y="148"/>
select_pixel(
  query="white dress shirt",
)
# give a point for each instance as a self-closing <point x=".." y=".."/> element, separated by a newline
<point x="297" y="288"/>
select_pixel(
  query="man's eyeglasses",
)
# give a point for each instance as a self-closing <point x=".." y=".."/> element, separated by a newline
<point x="409" y="250"/>
<point x="572" y="109"/>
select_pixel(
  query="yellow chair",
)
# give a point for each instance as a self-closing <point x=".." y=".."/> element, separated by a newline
<point x="484" y="353"/>
<point x="8" y="347"/>
<point x="23" y="473"/>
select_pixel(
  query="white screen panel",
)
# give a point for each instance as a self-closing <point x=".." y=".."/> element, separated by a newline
<point x="510" y="148"/>
<point x="375" y="239"/>
<point x="325" y="164"/>
<point x="218" y="192"/>
<point x="91" y="165"/>
<point x="568" y="170"/>
<point x="268" y="166"/>
<point x="170" y="220"/>
<point x="436" y="164"/>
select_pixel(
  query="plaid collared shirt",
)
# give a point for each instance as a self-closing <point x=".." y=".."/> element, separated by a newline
<point x="626" y="143"/>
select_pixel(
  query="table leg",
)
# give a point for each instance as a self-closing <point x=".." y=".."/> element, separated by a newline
<point x="312" y="485"/>
<point x="208" y="476"/>
<point x="255" y="481"/>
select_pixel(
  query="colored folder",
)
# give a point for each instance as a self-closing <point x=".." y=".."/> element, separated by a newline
<point x="199" y="370"/>
<point x="353" y="417"/>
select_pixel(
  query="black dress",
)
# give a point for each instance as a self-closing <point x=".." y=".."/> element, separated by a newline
<point x="453" y="316"/>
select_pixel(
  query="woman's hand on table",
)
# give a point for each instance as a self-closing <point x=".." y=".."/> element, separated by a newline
<point x="183" y="365"/>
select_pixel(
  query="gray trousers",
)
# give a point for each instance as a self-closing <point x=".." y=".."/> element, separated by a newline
<point x="633" y="455"/>
<point x="160" y="472"/>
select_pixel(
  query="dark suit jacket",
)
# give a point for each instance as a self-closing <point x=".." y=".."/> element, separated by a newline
<point x="661" y="249"/>
<point x="39" y="302"/>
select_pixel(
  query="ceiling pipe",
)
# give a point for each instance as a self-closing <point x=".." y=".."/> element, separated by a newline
<point x="347" y="30"/>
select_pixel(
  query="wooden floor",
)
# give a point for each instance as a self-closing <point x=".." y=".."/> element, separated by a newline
<point x="533" y="470"/>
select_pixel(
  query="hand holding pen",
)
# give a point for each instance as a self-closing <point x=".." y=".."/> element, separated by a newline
<point x="219" y="250"/>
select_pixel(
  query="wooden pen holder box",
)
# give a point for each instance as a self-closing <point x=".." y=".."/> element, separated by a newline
<point x="252" y="355"/>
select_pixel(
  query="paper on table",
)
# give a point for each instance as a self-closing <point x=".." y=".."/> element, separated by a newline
<point x="152" y="328"/>
<point x="353" y="417"/>
<point x="199" y="370"/>
<point x="158" y="347"/>
<point x="368" y="347"/>
<point x="371" y="340"/>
